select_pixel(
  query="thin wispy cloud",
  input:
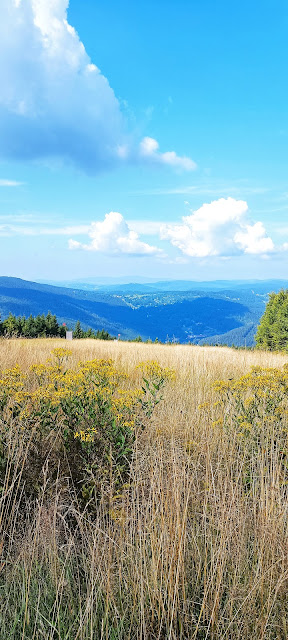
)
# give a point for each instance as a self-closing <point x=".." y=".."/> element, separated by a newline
<point x="203" y="189"/>
<point x="146" y="227"/>
<point x="10" y="183"/>
<point x="9" y="230"/>
<point x="21" y="225"/>
<point x="25" y="218"/>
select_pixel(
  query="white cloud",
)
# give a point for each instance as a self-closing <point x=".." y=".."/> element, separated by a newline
<point x="254" y="239"/>
<point x="9" y="183"/>
<point x="146" y="227"/>
<point x="55" y="104"/>
<point x="149" y="150"/>
<point x="207" y="189"/>
<point x="8" y="229"/>
<point x="113" y="235"/>
<point x="221" y="228"/>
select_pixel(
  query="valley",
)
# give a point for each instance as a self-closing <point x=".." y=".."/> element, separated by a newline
<point x="181" y="311"/>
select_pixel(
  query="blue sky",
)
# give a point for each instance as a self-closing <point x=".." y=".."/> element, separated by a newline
<point x="144" y="138"/>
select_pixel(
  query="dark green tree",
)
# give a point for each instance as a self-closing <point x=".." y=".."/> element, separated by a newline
<point x="62" y="331"/>
<point x="89" y="333"/>
<point x="272" y="333"/>
<point x="40" y="326"/>
<point x="52" y="327"/>
<point x="43" y="326"/>
<point x="78" y="333"/>
<point x="20" y="325"/>
<point x="11" y="327"/>
<point x="29" y="329"/>
<point x="103" y="335"/>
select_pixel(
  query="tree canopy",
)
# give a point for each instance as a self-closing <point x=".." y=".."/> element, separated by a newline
<point x="42" y="326"/>
<point x="272" y="333"/>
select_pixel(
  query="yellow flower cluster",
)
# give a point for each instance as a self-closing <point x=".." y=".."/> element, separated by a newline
<point x="55" y="395"/>
<point x="61" y="353"/>
<point x="154" y="371"/>
<point x="255" y="403"/>
<point x="86" y="437"/>
<point x="84" y="417"/>
<point x="263" y="380"/>
<point x="12" y="380"/>
<point x="126" y="407"/>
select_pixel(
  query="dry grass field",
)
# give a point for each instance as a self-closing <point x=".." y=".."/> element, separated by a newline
<point x="195" y="544"/>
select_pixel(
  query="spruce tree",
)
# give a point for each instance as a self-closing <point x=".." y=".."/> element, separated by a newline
<point x="40" y="326"/>
<point x="77" y="333"/>
<point x="29" y="329"/>
<point x="89" y="333"/>
<point x="272" y="333"/>
<point x="52" y="327"/>
<point x="11" y="328"/>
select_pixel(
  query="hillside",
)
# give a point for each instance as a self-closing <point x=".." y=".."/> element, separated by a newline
<point x="218" y="312"/>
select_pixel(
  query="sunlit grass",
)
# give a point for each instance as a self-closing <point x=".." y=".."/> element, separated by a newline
<point x="194" y="546"/>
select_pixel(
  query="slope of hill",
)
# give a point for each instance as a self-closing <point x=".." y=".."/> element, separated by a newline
<point x="219" y="312"/>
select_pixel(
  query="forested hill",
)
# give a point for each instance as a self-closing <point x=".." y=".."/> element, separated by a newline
<point x="200" y="314"/>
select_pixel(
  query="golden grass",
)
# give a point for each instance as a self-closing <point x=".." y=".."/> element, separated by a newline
<point x="184" y="553"/>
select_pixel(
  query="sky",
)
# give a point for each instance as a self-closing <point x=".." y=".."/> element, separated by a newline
<point x="143" y="139"/>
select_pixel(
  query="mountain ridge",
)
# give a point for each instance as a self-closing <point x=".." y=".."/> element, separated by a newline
<point x="200" y="315"/>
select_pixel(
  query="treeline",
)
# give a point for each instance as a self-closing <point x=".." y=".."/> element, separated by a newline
<point x="79" y="333"/>
<point x="156" y="341"/>
<point x="42" y="326"/>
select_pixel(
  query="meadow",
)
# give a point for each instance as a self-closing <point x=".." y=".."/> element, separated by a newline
<point x="181" y="534"/>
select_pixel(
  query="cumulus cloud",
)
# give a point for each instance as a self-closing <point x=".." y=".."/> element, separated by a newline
<point x="254" y="239"/>
<point x="113" y="235"/>
<point x="54" y="102"/>
<point x="221" y="228"/>
<point x="149" y="150"/>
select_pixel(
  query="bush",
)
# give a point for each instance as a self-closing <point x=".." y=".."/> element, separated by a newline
<point x="253" y="411"/>
<point x="74" y="425"/>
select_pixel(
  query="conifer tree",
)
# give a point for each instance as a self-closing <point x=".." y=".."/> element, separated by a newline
<point x="52" y="327"/>
<point x="29" y="329"/>
<point x="40" y="326"/>
<point x="43" y="326"/>
<point x="78" y="333"/>
<point x="103" y="335"/>
<point x="11" y="327"/>
<point x="272" y="333"/>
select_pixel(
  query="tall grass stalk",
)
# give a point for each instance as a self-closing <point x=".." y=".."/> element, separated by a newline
<point x="184" y="552"/>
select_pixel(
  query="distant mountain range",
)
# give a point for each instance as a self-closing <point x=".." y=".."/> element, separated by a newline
<point x="141" y="284"/>
<point x="220" y="312"/>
